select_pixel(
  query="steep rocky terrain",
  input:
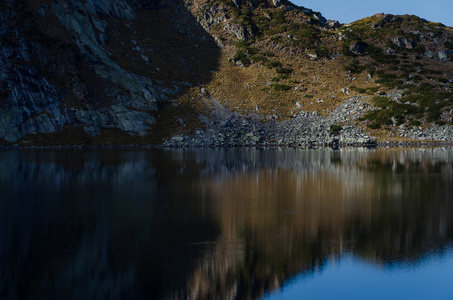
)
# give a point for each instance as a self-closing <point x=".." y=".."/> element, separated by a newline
<point x="218" y="72"/>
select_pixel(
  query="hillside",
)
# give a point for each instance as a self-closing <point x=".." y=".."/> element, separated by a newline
<point x="218" y="72"/>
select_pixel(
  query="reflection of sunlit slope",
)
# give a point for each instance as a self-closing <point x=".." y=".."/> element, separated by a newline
<point x="282" y="219"/>
<point x="211" y="223"/>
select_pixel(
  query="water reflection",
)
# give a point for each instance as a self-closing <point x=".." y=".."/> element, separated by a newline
<point x="212" y="223"/>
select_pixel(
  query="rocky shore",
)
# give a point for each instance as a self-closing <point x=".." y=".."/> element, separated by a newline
<point x="229" y="129"/>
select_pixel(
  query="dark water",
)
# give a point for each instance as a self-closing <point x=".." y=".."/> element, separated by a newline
<point x="226" y="224"/>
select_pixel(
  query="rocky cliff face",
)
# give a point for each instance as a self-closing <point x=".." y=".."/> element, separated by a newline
<point x="46" y="71"/>
<point x="57" y="73"/>
<point x="141" y="72"/>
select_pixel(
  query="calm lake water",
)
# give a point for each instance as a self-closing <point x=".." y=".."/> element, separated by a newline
<point x="226" y="224"/>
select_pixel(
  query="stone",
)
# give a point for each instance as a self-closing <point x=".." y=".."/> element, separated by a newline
<point x="403" y="42"/>
<point x="333" y="24"/>
<point x="312" y="56"/>
<point x="178" y="138"/>
<point x="277" y="3"/>
<point x="442" y="55"/>
<point x="429" y="54"/>
<point x="358" y="48"/>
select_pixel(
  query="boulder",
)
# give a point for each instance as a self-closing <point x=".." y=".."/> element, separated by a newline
<point x="403" y="42"/>
<point x="358" y="48"/>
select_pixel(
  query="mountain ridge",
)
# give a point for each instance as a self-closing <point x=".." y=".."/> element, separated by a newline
<point x="208" y="72"/>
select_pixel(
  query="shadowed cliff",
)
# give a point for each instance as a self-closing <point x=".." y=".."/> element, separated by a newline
<point x="97" y="71"/>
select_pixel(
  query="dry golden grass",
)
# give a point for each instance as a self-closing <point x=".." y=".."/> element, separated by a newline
<point x="244" y="88"/>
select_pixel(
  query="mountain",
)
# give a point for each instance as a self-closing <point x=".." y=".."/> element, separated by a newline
<point x="218" y="72"/>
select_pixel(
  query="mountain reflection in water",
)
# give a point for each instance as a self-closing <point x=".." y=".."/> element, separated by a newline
<point x="227" y="224"/>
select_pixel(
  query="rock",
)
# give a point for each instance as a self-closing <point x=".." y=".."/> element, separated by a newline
<point x="403" y="42"/>
<point x="240" y="31"/>
<point x="358" y="48"/>
<point x="178" y="138"/>
<point x="312" y="56"/>
<point x="333" y="24"/>
<point x="429" y="54"/>
<point x="442" y="55"/>
<point x="389" y="51"/>
<point x="277" y="3"/>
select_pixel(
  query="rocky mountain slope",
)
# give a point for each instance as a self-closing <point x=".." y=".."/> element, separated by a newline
<point x="218" y="72"/>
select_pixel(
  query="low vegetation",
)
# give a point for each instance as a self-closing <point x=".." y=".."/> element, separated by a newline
<point x="290" y="56"/>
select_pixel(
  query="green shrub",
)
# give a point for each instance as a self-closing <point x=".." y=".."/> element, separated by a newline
<point x="411" y="98"/>
<point x="241" y="44"/>
<point x="229" y="3"/>
<point x="242" y="57"/>
<point x="345" y="49"/>
<point x="251" y="50"/>
<point x="259" y="58"/>
<point x="358" y="90"/>
<point x="278" y="17"/>
<point x="354" y="67"/>
<point x="379" y="56"/>
<point x="433" y="116"/>
<point x="387" y="77"/>
<point x="430" y="71"/>
<point x="273" y="64"/>
<point x="417" y="78"/>
<point x="389" y="80"/>
<point x="280" y="87"/>
<point x="303" y="31"/>
<point x="448" y="45"/>
<point x="322" y="51"/>
<point x="335" y="129"/>
<point x="374" y="125"/>
<point x="381" y="102"/>
<point x="281" y="70"/>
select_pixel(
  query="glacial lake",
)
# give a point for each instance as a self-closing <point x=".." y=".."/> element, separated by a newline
<point x="226" y="224"/>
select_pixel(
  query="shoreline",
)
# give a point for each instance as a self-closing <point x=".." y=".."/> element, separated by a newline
<point x="310" y="145"/>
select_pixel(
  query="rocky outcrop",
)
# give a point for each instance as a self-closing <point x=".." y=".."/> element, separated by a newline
<point x="403" y="42"/>
<point x="34" y="104"/>
<point x="358" y="48"/>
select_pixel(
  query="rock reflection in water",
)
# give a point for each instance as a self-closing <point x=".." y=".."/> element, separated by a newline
<point x="211" y="223"/>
